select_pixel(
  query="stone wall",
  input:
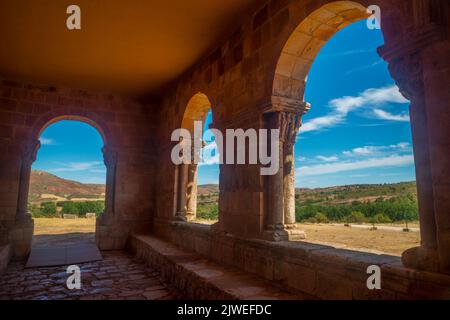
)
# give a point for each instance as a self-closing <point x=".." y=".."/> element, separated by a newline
<point x="309" y="269"/>
<point x="126" y="127"/>
<point x="259" y="72"/>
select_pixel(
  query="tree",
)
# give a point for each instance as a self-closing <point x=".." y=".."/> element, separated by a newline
<point x="48" y="209"/>
<point x="356" y="217"/>
<point x="381" y="218"/>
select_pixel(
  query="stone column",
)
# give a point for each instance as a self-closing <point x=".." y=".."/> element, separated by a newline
<point x="181" y="192"/>
<point x="22" y="232"/>
<point x="293" y="122"/>
<point x="280" y="190"/>
<point x="407" y="72"/>
<point x="24" y="185"/>
<point x="187" y="185"/>
<point x="191" y="192"/>
<point x="274" y="220"/>
<point x="110" y="160"/>
<point x="407" y="69"/>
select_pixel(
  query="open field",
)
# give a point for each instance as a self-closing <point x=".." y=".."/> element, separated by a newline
<point x="56" y="231"/>
<point x="60" y="226"/>
<point x="361" y="239"/>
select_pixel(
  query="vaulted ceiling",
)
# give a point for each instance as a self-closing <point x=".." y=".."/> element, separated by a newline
<point x="132" y="47"/>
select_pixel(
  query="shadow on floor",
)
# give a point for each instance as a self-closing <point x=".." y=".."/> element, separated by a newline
<point x="63" y="249"/>
<point x="47" y="240"/>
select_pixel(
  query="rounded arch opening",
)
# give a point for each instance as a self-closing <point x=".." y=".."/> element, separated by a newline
<point x="371" y="161"/>
<point x="195" y="202"/>
<point x="40" y="128"/>
<point x="68" y="181"/>
<point x="305" y="42"/>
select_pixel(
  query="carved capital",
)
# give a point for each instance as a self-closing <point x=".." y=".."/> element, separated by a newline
<point x="407" y="73"/>
<point x="109" y="157"/>
<point x="30" y="153"/>
<point x="289" y="126"/>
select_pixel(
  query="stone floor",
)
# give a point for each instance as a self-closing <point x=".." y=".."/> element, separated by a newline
<point x="118" y="277"/>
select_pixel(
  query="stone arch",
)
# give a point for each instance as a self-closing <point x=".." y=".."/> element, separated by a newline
<point x="197" y="109"/>
<point x="109" y="154"/>
<point x="48" y="119"/>
<point x="305" y="42"/>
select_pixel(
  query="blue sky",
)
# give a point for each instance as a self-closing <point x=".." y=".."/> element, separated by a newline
<point x="357" y="130"/>
<point x="72" y="150"/>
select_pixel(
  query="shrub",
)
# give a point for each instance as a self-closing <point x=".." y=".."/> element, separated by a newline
<point x="356" y="217"/>
<point x="380" y="218"/>
<point x="48" y="209"/>
<point x="320" y="217"/>
<point x="34" y="210"/>
<point x="208" y="211"/>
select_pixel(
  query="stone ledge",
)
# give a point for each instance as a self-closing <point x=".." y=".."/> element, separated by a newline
<point x="307" y="268"/>
<point x="199" y="278"/>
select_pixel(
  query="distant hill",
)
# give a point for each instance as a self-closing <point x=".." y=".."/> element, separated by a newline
<point x="45" y="186"/>
<point x="357" y="192"/>
<point x="337" y="194"/>
<point x="208" y="189"/>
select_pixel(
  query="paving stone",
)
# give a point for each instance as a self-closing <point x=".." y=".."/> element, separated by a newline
<point x="118" y="277"/>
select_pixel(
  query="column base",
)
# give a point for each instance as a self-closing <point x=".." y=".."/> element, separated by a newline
<point x="276" y="234"/>
<point x="180" y="216"/>
<point x="421" y="258"/>
<point x="286" y="232"/>
<point x="21" y="236"/>
<point x="110" y="234"/>
<point x="296" y="234"/>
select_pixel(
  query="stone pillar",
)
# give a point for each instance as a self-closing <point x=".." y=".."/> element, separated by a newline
<point x="407" y="72"/>
<point x="24" y="185"/>
<point x="181" y="192"/>
<point x="416" y="79"/>
<point x="110" y="230"/>
<point x="293" y="122"/>
<point x="22" y="232"/>
<point x="110" y="160"/>
<point x="280" y="188"/>
<point x="191" y="192"/>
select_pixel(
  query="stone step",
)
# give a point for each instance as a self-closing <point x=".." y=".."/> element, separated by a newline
<point x="199" y="278"/>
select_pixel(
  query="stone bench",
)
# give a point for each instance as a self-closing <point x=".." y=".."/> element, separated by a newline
<point x="198" y="278"/>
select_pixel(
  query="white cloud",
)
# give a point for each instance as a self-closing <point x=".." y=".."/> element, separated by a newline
<point x="384" y="115"/>
<point x="327" y="159"/>
<point x="47" y="141"/>
<point x="344" y="105"/>
<point x="400" y="145"/>
<point x="210" y="155"/>
<point x="372" y="150"/>
<point x="79" y="166"/>
<point x="372" y="96"/>
<point x="390" y="161"/>
<point x="349" y="52"/>
<point x="365" y="67"/>
<point x="301" y="159"/>
<point x="322" y="122"/>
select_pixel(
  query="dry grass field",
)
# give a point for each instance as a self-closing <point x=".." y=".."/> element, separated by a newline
<point x="378" y="241"/>
<point x="56" y="231"/>
<point x="361" y="239"/>
<point x="51" y="226"/>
